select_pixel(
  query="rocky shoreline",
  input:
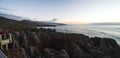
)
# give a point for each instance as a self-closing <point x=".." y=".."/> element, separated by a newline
<point x="47" y="43"/>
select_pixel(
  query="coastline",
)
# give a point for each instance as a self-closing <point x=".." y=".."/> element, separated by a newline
<point x="47" y="43"/>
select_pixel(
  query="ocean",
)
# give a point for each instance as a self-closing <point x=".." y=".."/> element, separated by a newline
<point x="104" y="31"/>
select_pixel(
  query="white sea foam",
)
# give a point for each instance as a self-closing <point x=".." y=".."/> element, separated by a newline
<point x="106" y="31"/>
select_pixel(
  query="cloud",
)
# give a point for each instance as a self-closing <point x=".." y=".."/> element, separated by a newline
<point x="2" y="8"/>
<point x="53" y="20"/>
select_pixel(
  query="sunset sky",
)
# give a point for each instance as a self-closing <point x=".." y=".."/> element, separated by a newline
<point x="65" y="11"/>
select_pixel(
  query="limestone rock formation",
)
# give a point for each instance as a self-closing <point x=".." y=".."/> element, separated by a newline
<point x="45" y="43"/>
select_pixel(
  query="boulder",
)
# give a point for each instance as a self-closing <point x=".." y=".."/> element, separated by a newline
<point x="15" y="39"/>
<point x="73" y="50"/>
<point x="62" y="54"/>
<point x="23" y="53"/>
<point x="23" y="39"/>
<point x="104" y="43"/>
<point x="98" y="54"/>
<point x="35" y="39"/>
<point x="33" y="52"/>
<point x="76" y="51"/>
<point x="113" y="52"/>
<point x="86" y="55"/>
<point x="51" y="53"/>
<point x="16" y="44"/>
<point x="16" y="53"/>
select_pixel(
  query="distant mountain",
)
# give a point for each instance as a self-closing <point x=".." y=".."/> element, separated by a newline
<point x="10" y="16"/>
<point x="7" y="22"/>
<point x="40" y="23"/>
<point x="27" y="21"/>
<point x="48" y="23"/>
<point x="107" y="23"/>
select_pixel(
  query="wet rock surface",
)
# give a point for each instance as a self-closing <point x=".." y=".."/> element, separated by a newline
<point x="47" y="43"/>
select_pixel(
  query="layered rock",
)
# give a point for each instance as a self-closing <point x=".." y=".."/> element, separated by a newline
<point x="16" y="53"/>
<point x="51" y="53"/>
<point x="33" y="52"/>
<point x="104" y="43"/>
<point x="46" y="43"/>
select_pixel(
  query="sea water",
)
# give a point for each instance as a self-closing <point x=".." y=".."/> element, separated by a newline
<point x="104" y="31"/>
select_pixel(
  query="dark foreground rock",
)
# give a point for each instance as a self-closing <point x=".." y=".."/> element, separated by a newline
<point x="47" y="43"/>
<point x="51" y="53"/>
